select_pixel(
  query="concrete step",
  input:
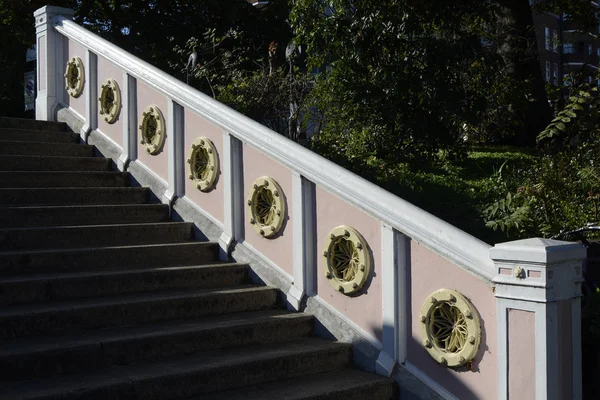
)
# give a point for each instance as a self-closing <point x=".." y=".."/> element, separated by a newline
<point x="23" y="123"/>
<point x="108" y="258"/>
<point x="29" y="135"/>
<point x="94" y="235"/>
<point x="345" y="384"/>
<point x="176" y="378"/>
<point x="41" y="288"/>
<point x="51" y="356"/>
<point x="73" y="317"/>
<point x="76" y="215"/>
<point x="73" y="196"/>
<point x="45" y="149"/>
<point x="53" y="163"/>
<point x="43" y="179"/>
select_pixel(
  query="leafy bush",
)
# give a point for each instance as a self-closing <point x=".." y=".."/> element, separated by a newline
<point x="562" y="189"/>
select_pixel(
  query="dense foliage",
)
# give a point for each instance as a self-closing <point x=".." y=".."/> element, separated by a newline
<point x="561" y="191"/>
<point x="402" y="79"/>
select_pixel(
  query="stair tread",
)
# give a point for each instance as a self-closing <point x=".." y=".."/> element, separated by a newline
<point x="132" y="375"/>
<point x="116" y="226"/>
<point x="43" y="277"/>
<point x="15" y="123"/>
<point x="25" y="131"/>
<point x="105" y="248"/>
<point x="86" y="206"/>
<point x="57" y="306"/>
<point x="302" y="387"/>
<point x="31" y="156"/>
<point x="74" y="173"/>
<point x="89" y="146"/>
<point x="110" y="335"/>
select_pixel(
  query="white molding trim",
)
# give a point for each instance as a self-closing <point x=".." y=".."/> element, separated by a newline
<point x="175" y="131"/>
<point x="233" y="227"/>
<point x="129" y="116"/>
<point x="389" y="280"/>
<point x="303" y="196"/>
<point x="91" y="95"/>
<point x="446" y="240"/>
<point x="402" y="300"/>
<point x="436" y="387"/>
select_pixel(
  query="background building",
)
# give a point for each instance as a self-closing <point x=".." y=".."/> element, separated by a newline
<point x="564" y="48"/>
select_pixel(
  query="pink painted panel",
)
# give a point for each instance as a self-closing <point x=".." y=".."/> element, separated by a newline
<point x="278" y="249"/>
<point x="159" y="163"/>
<point x="521" y="354"/>
<point x="107" y="70"/>
<point x="42" y="62"/>
<point x="77" y="104"/>
<point x="211" y="202"/>
<point x="565" y="349"/>
<point x="364" y="308"/>
<point x="427" y="273"/>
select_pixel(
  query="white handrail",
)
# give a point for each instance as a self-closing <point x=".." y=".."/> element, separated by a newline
<point x="445" y="239"/>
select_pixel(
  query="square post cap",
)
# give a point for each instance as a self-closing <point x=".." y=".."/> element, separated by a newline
<point x="538" y="251"/>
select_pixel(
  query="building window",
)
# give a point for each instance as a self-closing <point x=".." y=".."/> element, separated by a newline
<point x="555" y="74"/>
<point x="566" y="80"/>
<point x="555" y="41"/>
<point x="547" y="71"/>
<point x="547" y="36"/>
<point x="590" y="50"/>
<point x="569" y="48"/>
<point x="589" y="79"/>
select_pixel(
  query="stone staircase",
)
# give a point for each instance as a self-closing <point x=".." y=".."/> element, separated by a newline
<point x="103" y="297"/>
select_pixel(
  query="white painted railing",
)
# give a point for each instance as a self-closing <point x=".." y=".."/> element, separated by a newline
<point x="417" y="253"/>
<point x="420" y="225"/>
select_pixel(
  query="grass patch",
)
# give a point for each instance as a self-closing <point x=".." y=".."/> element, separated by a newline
<point x="457" y="191"/>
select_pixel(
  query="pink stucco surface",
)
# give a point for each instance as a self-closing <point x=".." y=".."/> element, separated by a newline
<point x="363" y="308"/>
<point x="565" y="349"/>
<point x="107" y="70"/>
<point x="427" y="273"/>
<point x="212" y="201"/>
<point x="278" y="249"/>
<point x="76" y="104"/>
<point x="521" y="354"/>
<point x="159" y="163"/>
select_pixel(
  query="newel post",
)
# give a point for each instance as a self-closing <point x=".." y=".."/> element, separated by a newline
<point x="50" y="48"/>
<point x="538" y="289"/>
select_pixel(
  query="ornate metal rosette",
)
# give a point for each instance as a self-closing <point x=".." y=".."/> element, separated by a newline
<point x="203" y="163"/>
<point x="450" y="328"/>
<point x="74" y="77"/>
<point x="266" y="207"/>
<point x="152" y="129"/>
<point x="110" y="101"/>
<point x="347" y="261"/>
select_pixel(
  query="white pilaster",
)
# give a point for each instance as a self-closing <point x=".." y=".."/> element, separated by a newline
<point x="129" y="115"/>
<point x="91" y="98"/>
<point x="303" y="213"/>
<point x="233" y="229"/>
<point x="389" y="279"/>
<point x="50" y="57"/>
<point x="175" y="152"/>
<point x="534" y="275"/>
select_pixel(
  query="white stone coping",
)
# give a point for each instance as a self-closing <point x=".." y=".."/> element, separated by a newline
<point x="443" y="238"/>
<point x="537" y="251"/>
